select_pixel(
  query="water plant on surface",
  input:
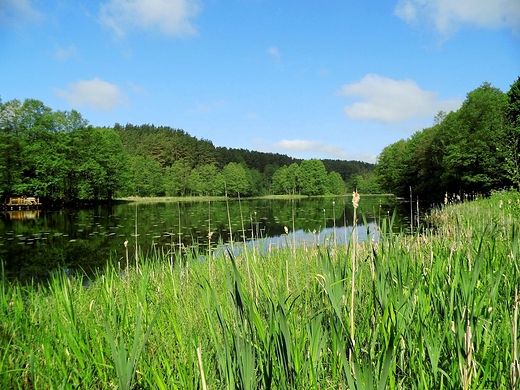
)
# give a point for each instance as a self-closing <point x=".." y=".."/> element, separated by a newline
<point x="437" y="309"/>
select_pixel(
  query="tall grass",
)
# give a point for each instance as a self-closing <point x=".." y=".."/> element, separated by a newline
<point x="431" y="310"/>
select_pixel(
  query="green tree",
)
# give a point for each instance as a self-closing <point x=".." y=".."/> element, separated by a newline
<point x="147" y="176"/>
<point x="99" y="167"/>
<point x="312" y="178"/>
<point x="474" y="158"/>
<point x="178" y="178"/>
<point x="512" y="140"/>
<point x="35" y="157"/>
<point x="211" y="180"/>
<point x="390" y="168"/>
<point x="10" y="147"/>
<point x="195" y="184"/>
<point x="114" y="164"/>
<point x="236" y="179"/>
<point x="285" y="180"/>
<point x="335" y="184"/>
<point x="267" y="176"/>
<point x="255" y="182"/>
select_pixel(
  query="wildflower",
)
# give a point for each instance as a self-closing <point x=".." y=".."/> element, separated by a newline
<point x="286" y="229"/>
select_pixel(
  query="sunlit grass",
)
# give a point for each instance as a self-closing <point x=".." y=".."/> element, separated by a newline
<point x="431" y="310"/>
<point x="169" y="199"/>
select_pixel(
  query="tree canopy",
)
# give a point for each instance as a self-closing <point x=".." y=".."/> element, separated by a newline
<point x="60" y="157"/>
<point x="472" y="150"/>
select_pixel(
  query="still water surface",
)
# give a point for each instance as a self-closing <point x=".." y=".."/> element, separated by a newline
<point x="34" y="243"/>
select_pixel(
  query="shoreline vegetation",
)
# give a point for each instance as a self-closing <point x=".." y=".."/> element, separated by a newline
<point x="167" y="199"/>
<point x="434" y="309"/>
<point x="170" y="199"/>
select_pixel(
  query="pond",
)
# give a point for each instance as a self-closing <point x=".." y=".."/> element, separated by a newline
<point x="35" y="242"/>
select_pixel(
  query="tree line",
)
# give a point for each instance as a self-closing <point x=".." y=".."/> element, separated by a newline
<point x="60" y="157"/>
<point x="475" y="149"/>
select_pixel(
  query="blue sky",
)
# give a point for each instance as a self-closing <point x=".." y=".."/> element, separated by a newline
<point x="310" y="79"/>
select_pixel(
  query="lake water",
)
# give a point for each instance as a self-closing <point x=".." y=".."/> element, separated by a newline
<point x="33" y="243"/>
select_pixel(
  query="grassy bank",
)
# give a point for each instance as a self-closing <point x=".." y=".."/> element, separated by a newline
<point x="433" y="310"/>
<point x="169" y="199"/>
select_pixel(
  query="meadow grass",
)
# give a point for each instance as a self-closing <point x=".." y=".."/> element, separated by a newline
<point x="435" y="309"/>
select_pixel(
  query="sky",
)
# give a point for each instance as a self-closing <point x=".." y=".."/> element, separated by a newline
<point x="326" y="79"/>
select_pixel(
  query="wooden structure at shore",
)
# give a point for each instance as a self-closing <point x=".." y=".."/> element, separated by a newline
<point x="22" y="203"/>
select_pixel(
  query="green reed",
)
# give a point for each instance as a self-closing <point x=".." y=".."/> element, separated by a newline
<point x="432" y="310"/>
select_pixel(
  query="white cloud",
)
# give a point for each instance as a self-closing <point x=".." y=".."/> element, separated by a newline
<point x="206" y="108"/>
<point x="65" y="53"/>
<point x="15" y="11"/>
<point x="300" y="145"/>
<point x="274" y="52"/>
<point x="136" y="88"/>
<point x="171" y="17"/>
<point x="448" y="15"/>
<point x="387" y="100"/>
<point x="95" y="93"/>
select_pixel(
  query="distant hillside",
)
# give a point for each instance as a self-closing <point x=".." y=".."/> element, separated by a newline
<point x="58" y="157"/>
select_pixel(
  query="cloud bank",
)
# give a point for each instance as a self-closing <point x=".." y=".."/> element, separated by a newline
<point x="66" y="53"/>
<point x="387" y="100"/>
<point x="447" y="16"/>
<point x="300" y="145"/>
<point x="96" y="93"/>
<point x="170" y="17"/>
<point x="14" y="12"/>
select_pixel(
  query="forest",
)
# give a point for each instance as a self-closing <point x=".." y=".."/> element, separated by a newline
<point x="474" y="150"/>
<point x="59" y="157"/>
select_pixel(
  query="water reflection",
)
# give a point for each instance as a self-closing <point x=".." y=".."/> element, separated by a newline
<point x="21" y="214"/>
<point x="36" y="242"/>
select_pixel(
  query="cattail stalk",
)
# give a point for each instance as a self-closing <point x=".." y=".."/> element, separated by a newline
<point x="202" y="376"/>
<point x="136" y="251"/>
<point x="355" y="203"/>
<point x="515" y="367"/>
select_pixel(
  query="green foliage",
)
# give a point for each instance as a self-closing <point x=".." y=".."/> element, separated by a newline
<point x="389" y="167"/>
<point x="285" y="180"/>
<point x="512" y="141"/>
<point x="472" y="150"/>
<point x="57" y="156"/>
<point x="348" y="168"/>
<point x="177" y="181"/>
<point x="185" y="160"/>
<point x="364" y="184"/>
<point x="211" y="180"/>
<point x="147" y="176"/>
<point x="431" y="311"/>
<point x="236" y="179"/>
<point x="474" y="158"/>
<point x="335" y="184"/>
<point x="312" y="178"/>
